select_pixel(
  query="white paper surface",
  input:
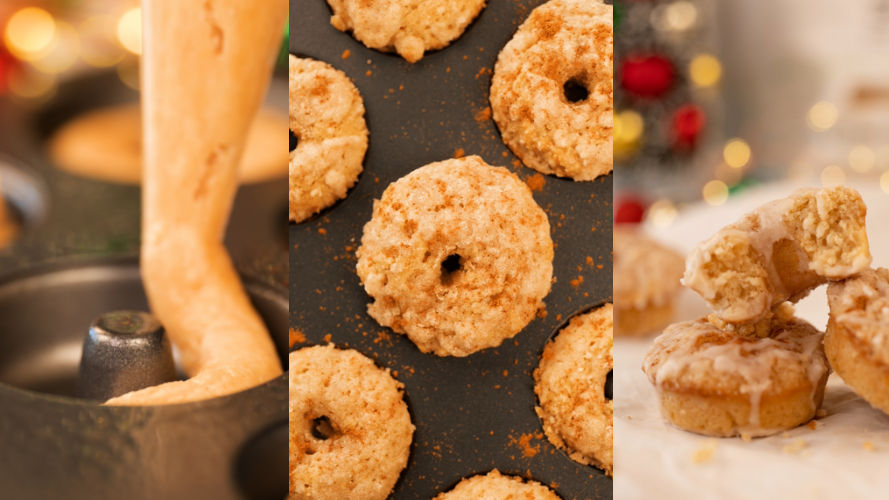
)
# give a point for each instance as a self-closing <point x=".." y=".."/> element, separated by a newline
<point x="655" y="460"/>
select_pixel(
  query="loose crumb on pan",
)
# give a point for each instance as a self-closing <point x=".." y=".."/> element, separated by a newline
<point x="346" y="54"/>
<point x="483" y="115"/>
<point x="459" y="153"/>
<point x="296" y="337"/>
<point x="795" y="447"/>
<point x="327" y="338"/>
<point x="536" y="182"/>
<point x="704" y="454"/>
<point x="524" y="443"/>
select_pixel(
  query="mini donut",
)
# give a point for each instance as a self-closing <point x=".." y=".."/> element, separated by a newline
<point x="458" y="256"/>
<point x="780" y="252"/>
<point x="350" y="430"/>
<point x="563" y="47"/>
<point x="570" y="386"/>
<point x="106" y="144"/>
<point x="857" y="339"/>
<point x="327" y="118"/>
<point x="646" y="282"/>
<point x="713" y="382"/>
<point x="495" y="486"/>
<point x="409" y="27"/>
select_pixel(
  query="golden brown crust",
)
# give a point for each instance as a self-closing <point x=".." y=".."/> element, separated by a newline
<point x="359" y="451"/>
<point x="570" y="386"/>
<point x="481" y="220"/>
<point x="561" y="41"/>
<point x="496" y="486"/>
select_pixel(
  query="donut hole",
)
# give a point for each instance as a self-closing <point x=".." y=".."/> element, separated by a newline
<point x="322" y="429"/>
<point x="609" y="386"/>
<point x="575" y="91"/>
<point x="294" y="141"/>
<point x="450" y="267"/>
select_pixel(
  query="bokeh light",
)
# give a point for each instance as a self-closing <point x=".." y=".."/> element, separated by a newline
<point x="736" y="153"/>
<point x="862" y="159"/>
<point x="99" y="42"/>
<point x="661" y="213"/>
<point x="62" y="53"/>
<point x="822" y="116"/>
<point x="628" y="130"/>
<point x="832" y="176"/>
<point x="705" y="70"/>
<point x="715" y="193"/>
<point x="677" y="16"/>
<point x="884" y="182"/>
<point x="129" y="30"/>
<point x="29" y="31"/>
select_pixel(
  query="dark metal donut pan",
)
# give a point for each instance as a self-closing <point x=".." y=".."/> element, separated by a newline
<point x="472" y="414"/>
<point x="76" y="259"/>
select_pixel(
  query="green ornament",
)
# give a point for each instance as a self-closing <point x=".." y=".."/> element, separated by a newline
<point x="285" y="47"/>
<point x="618" y="14"/>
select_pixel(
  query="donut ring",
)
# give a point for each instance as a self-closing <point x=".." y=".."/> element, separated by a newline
<point x="106" y="144"/>
<point x="457" y="255"/>
<point x="350" y="430"/>
<point x="717" y="383"/>
<point x="497" y="486"/>
<point x="563" y="42"/>
<point x="780" y="252"/>
<point x="857" y="339"/>
<point x="570" y="386"/>
<point x="327" y="117"/>
<point x="646" y="283"/>
<point x="409" y="27"/>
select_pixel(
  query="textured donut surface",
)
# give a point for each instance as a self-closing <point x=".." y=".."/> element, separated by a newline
<point x="409" y="27"/>
<point x="327" y="118"/>
<point x="457" y="255"/>
<point x="360" y="449"/>
<point x="562" y="42"/>
<point x="495" y="486"/>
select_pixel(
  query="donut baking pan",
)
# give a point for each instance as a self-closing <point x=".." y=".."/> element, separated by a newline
<point x="472" y="414"/>
<point x="75" y="260"/>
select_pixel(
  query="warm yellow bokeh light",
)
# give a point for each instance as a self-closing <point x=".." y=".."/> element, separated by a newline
<point x="98" y="37"/>
<point x="862" y="159"/>
<point x="129" y="30"/>
<point x="884" y="182"/>
<point x="680" y="16"/>
<point x="29" y="31"/>
<point x="661" y="213"/>
<point x="63" y="52"/>
<point x="833" y="176"/>
<point x="715" y="193"/>
<point x="628" y="130"/>
<point x="705" y="70"/>
<point x="822" y="116"/>
<point x="736" y="153"/>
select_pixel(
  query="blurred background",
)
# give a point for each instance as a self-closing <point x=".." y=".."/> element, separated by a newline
<point x="715" y="97"/>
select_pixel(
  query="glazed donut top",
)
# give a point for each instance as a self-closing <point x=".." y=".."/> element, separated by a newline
<point x="562" y="41"/>
<point x="496" y="486"/>
<point x="646" y="273"/>
<point x="861" y="306"/>
<point x="820" y="233"/>
<point x="696" y="356"/>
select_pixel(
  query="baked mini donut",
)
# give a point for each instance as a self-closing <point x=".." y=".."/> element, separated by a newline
<point x="458" y="256"/>
<point x="327" y="118"/>
<point x="495" y="486"/>
<point x="350" y="430"/>
<point x="409" y="27"/>
<point x="106" y="144"/>
<point x="717" y="383"/>
<point x="780" y="252"/>
<point x="646" y="282"/>
<point x="857" y="339"/>
<point x="570" y="387"/>
<point x="552" y="95"/>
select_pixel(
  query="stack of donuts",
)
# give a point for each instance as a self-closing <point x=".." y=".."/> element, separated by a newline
<point x="751" y="368"/>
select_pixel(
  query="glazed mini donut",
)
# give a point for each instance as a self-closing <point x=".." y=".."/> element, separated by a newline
<point x="857" y="339"/>
<point x="717" y="383"/>
<point x="327" y="118"/>
<point x="564" y="47"/>
<point x="570" y="386"/>
<point x="646" y="282"/>
<point x="458" y="256"/>
<point x="106" y="144"/>
<point x="495" y="486"/>
<point x="350" y="430"/>
<point x="780" y="252"/>
<point x="409" y="27"/>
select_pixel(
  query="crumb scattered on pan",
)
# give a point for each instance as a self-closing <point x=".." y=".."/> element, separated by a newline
<point x="795" y="447"/>
<point x="459" y="153"/>
<point x="296" y="337"/>
<point x="541" y="311"/>
<point x="483" y="115"/>
<point x="536" y="182"/>
<point x="322" y="231"/>
<point x="704" y="454"/>
<point x="346" y="54"/>
<point x="576" y="283"/>
<point x="524" y="442"/>
<point x="327" y="338"/>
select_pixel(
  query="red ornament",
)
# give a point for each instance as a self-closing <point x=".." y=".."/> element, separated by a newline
<point x="648" y="76"/>
<point x="688" y="122"/>
<point x="629" y="211"/>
